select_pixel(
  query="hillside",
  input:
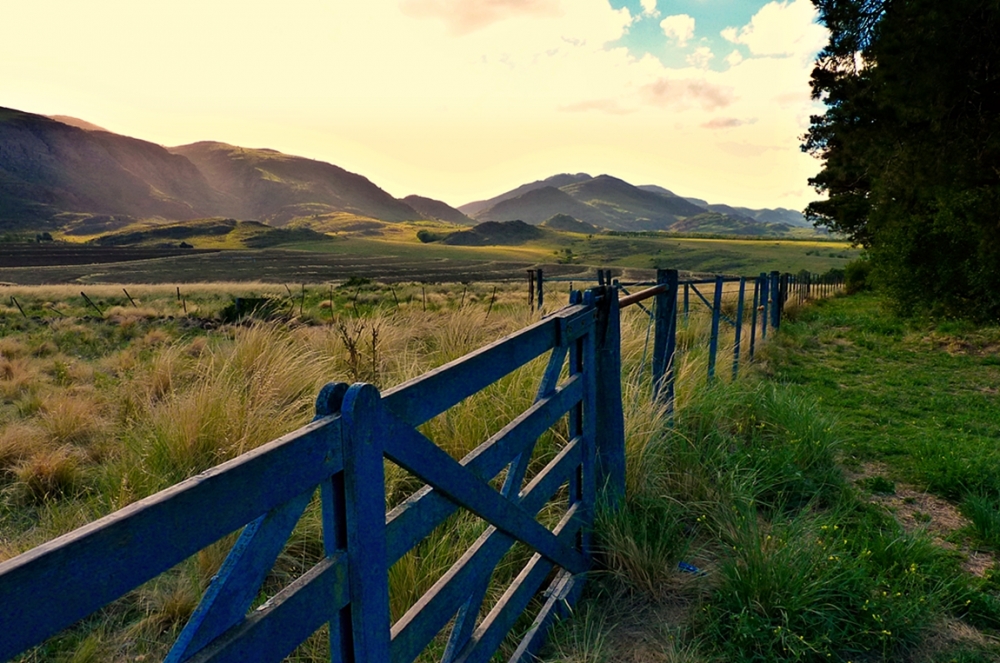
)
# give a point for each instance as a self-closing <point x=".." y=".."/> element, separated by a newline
<point x="628" y="207"/>
<point x="566" y="223"/>
<point x="493" y="233"/>
<point x="537" y="205"/>
<point x="225" y="233"/>
<point x="610" y="203"/>
<point x="603" y="201"/>
<point x="436" y="209"/>
<point x="556" y="181"/>
<point x="48" y="167"/>
<point x="53" y="173"/>
<point x="274" y="187"/>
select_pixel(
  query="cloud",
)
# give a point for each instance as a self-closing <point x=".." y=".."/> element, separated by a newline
<point x="734" y="58"/>
<point x="465" y="16"/>
<point x="781" y="29"/>
<point x="610" y="106"/>
<point x="681" y="93"/>
<point x="679" y="27"/>
<point x="701" y="57"/>
<point x="725" y="123"/>
<point x="649" y="8"/>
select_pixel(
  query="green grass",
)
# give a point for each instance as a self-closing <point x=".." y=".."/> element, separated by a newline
<point x="920" y="397"/>
<point x="802" y="564"/>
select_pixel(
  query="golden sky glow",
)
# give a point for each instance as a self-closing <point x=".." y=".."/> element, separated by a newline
<point x="453" y="99"/>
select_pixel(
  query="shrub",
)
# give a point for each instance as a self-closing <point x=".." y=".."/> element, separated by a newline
<point x="856" y="276"/>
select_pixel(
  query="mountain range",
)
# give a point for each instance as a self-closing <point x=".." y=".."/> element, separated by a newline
<point x="61" y="173"/>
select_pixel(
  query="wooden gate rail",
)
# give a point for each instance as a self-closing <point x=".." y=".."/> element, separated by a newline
<point x="342" y="453"/>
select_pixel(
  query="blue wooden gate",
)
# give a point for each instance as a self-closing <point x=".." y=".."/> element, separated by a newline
<point x="341" y="455"/>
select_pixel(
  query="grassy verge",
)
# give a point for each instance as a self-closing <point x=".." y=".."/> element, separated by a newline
<point x="792" y="550"/>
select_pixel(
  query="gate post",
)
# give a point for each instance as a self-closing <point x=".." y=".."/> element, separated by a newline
<point x="610" y="420"/>
<point x="364" y="484"/>
<point x="665" y="338"/>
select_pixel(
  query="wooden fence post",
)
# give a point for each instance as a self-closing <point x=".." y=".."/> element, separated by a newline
<point x="364" y="485"/>
<point x="765" y="309"/>
<point x="665" y="338"/>
<point x="610" y="420"/>
<point x="531" y="290"/>
<point x="739" y="327"/>
<point x="782" y="296"/>
<point x="539" y="283"/>
<point x="774" y="290"/>
<point x="753" y="315"/>
<point x="713" y="343"/>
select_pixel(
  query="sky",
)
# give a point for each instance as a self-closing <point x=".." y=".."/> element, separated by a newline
<point x="458" y="100"/>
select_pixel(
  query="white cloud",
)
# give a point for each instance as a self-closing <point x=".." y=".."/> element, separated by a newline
<point x="681" y="93"/>
<point x="649" y="8"/>
<point x="701" y="57"/>
<point x="610" y="106"/>
<point x="679" y="27"/>
<point x="781" y="29"/>
<point x="726" y="123"/>
<point x="734" y="58"/>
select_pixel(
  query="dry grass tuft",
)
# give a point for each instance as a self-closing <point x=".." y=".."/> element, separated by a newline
<point x="18" y="441"/>
<point x="11" y="347"/>
<point x="49" y="473"/>
<point x="153" y="338"/>
<point x="71" y="418"/>
<point x="17" y="377"/>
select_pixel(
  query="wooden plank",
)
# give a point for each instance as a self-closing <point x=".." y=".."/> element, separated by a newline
<point x="414" y="452"/>
<point x="275" y="629"/>
<point x="52" y="586"/>
<point x="232" y="591"/>
<point x="435" y="608"/>
<point x="610" y="442"/>
<point x="366" y="430"/>
<point x="515" y="599"/>
<point x="465" y="621"/>
<point x="415" y="518"/>
<point x="427" y="396"/>
<point x="562" y="587"/>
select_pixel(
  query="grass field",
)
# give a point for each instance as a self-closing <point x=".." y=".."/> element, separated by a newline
<point x="391" y="252"/>
<point x="839" y="503"/>
<point x="842" y="505"/>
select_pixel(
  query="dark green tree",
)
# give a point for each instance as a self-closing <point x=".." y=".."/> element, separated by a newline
<point x="910" y="144"/>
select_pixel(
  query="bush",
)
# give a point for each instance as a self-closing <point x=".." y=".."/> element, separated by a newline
<point x="426" y="236"/>
<point x="856" y="276"/>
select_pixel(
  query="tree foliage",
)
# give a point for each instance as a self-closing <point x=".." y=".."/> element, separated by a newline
<point x="910" y="144"/>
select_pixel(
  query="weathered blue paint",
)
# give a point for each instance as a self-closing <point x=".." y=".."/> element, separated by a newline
<point x="739" y="326"/>
<point x="606" y="362"/>
<point x="52" y="586"/>
<point x="713" y="341"/>
<point x="665" y="337"/>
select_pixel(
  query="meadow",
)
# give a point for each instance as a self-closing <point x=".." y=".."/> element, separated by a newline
<point x="786" y="556"/>
<point x="392" y="252"/>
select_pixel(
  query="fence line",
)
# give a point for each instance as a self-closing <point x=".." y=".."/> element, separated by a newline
<point x="341" y="455"/>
